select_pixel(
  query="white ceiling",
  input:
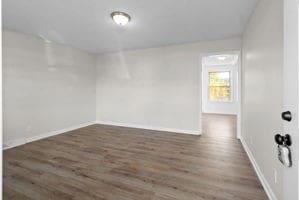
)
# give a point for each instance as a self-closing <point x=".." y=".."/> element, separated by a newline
<point x="86" y="24"/>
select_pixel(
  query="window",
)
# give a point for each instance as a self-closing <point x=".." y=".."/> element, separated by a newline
<point x="219" y="86"/>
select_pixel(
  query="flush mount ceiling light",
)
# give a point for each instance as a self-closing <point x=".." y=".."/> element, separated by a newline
<point x="120" y="18"/>
<point x="219" y="57"/>
<point x="222" y="57"/>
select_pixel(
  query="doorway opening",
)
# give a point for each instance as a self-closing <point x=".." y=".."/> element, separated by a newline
<point x="221" y="92"/>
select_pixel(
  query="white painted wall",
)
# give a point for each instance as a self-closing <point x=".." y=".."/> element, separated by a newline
<point x="47" y="87"/>
<point x="220" y="107"/>
<point x="156" y="88"/>
<point x="262" y="88"/>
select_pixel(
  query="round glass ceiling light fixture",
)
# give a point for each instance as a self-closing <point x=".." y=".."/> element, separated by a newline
<point x="120" y="18"/>
<point x="222" y="57"/>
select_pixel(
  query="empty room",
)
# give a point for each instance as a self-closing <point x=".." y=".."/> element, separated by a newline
<point x="150" y="100"/>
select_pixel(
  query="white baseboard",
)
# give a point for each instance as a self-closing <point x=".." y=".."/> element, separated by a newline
<point x="191" y="132"/>
<point x="258" y="171"/>
<point x="21" y="141"/>
<point x="13" y="143"/>
<point x="219" y="112"/>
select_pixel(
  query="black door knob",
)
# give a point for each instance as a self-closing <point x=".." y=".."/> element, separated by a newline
<point x="287" y="116"/>
<point x="283" y="140"/>
<point x="279" y="139"/>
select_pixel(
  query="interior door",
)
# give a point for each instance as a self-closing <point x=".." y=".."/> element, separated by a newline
<point x="291" y="93"/>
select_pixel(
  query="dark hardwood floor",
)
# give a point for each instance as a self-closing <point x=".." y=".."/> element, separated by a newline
<point x="116" y="163"/>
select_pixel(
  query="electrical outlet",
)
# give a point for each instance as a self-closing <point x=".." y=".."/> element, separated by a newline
<point x="28" y="128"/>
<point x="275" y="175"/>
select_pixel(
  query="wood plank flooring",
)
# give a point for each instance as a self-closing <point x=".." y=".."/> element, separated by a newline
<point x="116" y="163"/>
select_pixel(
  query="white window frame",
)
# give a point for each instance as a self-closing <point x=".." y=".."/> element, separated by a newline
<point x="231" y="85"/>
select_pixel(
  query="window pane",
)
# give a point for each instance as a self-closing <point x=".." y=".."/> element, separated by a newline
<point x="219" y="86"/>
